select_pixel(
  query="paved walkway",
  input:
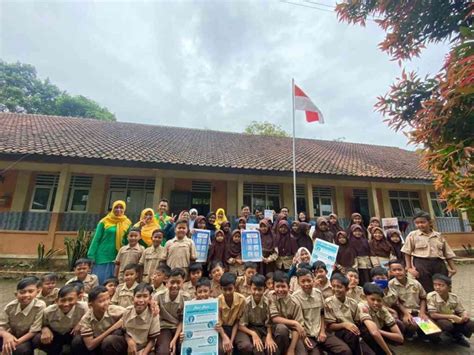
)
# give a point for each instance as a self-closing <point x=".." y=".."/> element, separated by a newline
<point x="463" y="285"/>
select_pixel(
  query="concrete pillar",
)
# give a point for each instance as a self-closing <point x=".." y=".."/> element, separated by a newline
<point x="387" y="206"/>
<point x="20" y="201"/>
<point x="232" y="208"/>
<point x="340" y="202"/>
<point x="62" y="190"/>
<point x="288" y="198"/>
<point x="96" y="195"/>
<point x="425" y="200"/>
<point x="309" y="199"/>
<point x="158" y="191"/>
<point x="373" y="201"/>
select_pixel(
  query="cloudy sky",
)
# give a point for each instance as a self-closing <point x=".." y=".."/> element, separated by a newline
<point x="211" y="64"/>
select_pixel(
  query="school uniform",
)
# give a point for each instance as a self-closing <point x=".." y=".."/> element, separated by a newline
<point x="436" y="304"/>
<point x="19" y="321"/>
<point x="216" y="289"/>
<point x="180" y="252"/>
<point x="141" y="327"/>
<point x="92" y="327"/>
<point x="190" y="289"/>
<point x="49" y="299"/>
<point x="356" y="293"/>
<point x="61" y="324"/>
<point x="150" y="259"/>
<point x="89" y="282"/>
<point x="128" y="255"/>
<point x="159" y="290"/>
<point x="171" y="314"/>
<point x="312" y="306"/>
<point x="294" y="285"/>
<point x="326" y="290"/>
<point x="429" y="252"/>
<point x="256" y="317"/>
<point x="408" y="295"/>
<point x="242" y="287"/>
<point x="229" y="315"/>
<point x="123" y="295"/>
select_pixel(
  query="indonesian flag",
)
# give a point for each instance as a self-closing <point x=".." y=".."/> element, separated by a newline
<point x="304" y="103"/>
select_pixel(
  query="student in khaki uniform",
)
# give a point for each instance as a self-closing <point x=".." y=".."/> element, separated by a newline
<point x="159" y="279"/>
<point x="180" y="251"/>
<point x="243" y="283"/>
<point x="231" y="307"/>
<point x="171" y="304"/>
<point x="321" y="281"/>
<point x="123" y="295"/>
<point x="217" y="270"/>
<point x="21" y="319"/>
<point x="195" y="273"/>
<point x="60" y="322"/>
<point x="128" y="254"/>
<point x="49" y="291"/>
<point x="140" y="325"/>
<point x="287" y="316"/>
<point x="409" y="297"/>
<point x="447" y="311"/>
<point x="111" y="285"/>
<point x="355" y="291"/>
<point x="82" y="272"/>
<point x="255" y="329"/>
<point x="426" y="252"/>
<point x="376" y="323"/>
<point x="316" y="339"/>
<point x="100" y="327"/>
<point x="152" y="256"/>
<point x="268" y="284"/>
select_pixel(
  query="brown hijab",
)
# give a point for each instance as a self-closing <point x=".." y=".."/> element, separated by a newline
<point x="360" y="245"/>
<point x="346" y="253"/>
<point x="286" y="244"/>
<point x="327" y="235"/>
<point x="233" y="249"/>
<point x="268" y="240"/>
<point x="217" y="250"/>
<point x="382" y="247"/>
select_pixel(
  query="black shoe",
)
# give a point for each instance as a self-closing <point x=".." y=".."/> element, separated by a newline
<point x="461" y="340"/>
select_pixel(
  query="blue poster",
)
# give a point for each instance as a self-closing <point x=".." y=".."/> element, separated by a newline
<point x="199" y="321"/>
<point x="325" y="252"/>
<point x="251" y="246"/>
<point x="202" y="239"/>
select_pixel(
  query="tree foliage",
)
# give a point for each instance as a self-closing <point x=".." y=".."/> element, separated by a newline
<point x="436" y="110"/>
<point x="265" y="129"/>
<point x="22" y="91"/>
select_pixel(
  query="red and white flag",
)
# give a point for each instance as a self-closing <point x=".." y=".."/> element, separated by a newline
<point x="304" y="103"/>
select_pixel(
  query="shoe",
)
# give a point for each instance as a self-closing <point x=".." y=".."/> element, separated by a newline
<point x="462" y="341"/>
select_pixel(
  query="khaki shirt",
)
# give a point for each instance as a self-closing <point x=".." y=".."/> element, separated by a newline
<point x="336" y="311"/>
<point x="159" y="290"/>
<point x="294" y="285"/>
<point x="93" y="327"/>
<point x="381" y="318"/>
<point x="326" y="290"/>
<point x="89" y="282"/>
<point x="150" y="260"/>
<point x="128" y="255"/>
<point x="21" y="321"/>
<point x="60" y="322"/>
<point x="171" y="311"/>
<point x="436" y="304"/>
<point x="312" y="306"/>
<point x="216" y="289"/>
<point x="49" y="299"/>
<point x="230" y="315"/>
<point x="431" y="245"/>
<point x="242" y="287"/>
<point x="179" y="253"/>
<point x="256" y="315"/>
<point x="286" y="307"/>
<point x="190" y="289"/>
<point x="356" y="293"/>
<point x="141" y="327"/>
<point x="408" y="295"/>
<point x="123" y="295"/>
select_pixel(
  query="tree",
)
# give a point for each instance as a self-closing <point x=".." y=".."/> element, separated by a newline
<point x="437" y="110"/>
<point x="22" y="91"/>
<point x="265" y="129"/>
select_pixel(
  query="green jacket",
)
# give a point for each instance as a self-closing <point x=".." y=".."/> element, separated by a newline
<point x="102" y="249"/>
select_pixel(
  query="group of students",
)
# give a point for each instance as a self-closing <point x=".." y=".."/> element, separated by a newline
<point x="283" y="305"/>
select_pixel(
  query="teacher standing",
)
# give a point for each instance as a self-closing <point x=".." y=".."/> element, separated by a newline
<point x="108" y="240"/>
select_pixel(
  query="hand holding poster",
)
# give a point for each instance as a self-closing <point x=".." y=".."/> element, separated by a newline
<point x="268" y="214"/>
<point x="325" y="252"/>
<point x="199" y="321"/>
<point x="252" y="226"/>
<point x="202" y="239"/>
<point x="251" y="245"/>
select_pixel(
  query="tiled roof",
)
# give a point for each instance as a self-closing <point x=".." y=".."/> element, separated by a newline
<point x="159" y="146"/>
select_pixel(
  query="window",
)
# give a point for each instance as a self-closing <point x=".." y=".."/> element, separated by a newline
<point x="137" y="192"/>
<point x="404" y="203"/>
<point x="439" y="206"/>
<point x="78" y="196"/>
<point x="44" y="192"/>
<point x="322" y="201"/>
<point x="260" y="196"/>
<point x="201" y="196"/>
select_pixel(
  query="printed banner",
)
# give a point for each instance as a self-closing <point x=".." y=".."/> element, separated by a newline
<point x="325" y="252"/>
<point x="268" y="214"/>
<point x="202" y="239"/>
<point x="392" y="223"/>
<point x="252" y="226"/>
<point x="199" y="321"/>
<point x="251" y="246"/>
<point x="428" y="327"/>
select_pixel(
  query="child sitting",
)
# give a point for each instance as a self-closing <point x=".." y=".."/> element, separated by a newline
<point x="49" y="291"/>
<point x="321" y="280"/>
<point x="243" y="283"/>
<point x="447" y="311"/>
<point x="203" y="289"/>
<point x="82" y="272"/>
<point x="234" y="254"/>
<point x="195" y="273"/>
<point x="128" y="254"/>
<point x="111" y="285"/>
<point x="217" y="270"/>
<point x="294" y="285"/>
<point x="124" y="294"/>
<point x="21" y="319"/>
<point x="268" y="284"/>
<point x="355" y="291"/>
<point x="159" y="279"/>
<point x="81" y="295"/>
<point x="152" y="256"/>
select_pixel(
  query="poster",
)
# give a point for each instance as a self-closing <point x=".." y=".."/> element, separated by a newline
<point x="251" y="246"/>
<point x="311" y="231"/>
<point x="325" y="252"/>
<point x="391" y="223"/>
<point x="268" y="214"/>
<point x="252" y="226"/>
<point x="199" y="321"/>
<point x="202" y="239"/>
<point x="427" y="326"/>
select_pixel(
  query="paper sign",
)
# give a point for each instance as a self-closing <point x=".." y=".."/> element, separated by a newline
<point x="325" y="252"/>
<point x="202" y="239"/>
<point x="268" y="214"/>
<point x="311" y="231"/>
<point x="199" y="321"/>
<point x="390" y="223"/>
<point x="252" y="226"/>
<point x="428" y="327"/>
<point x="251" y="244"/>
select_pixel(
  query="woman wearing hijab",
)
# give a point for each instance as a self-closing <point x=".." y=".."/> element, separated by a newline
<point x="322" y="230"/>
<point x="395" y="239"/>
<point x="346" y="255"/>
<point x="107" y="240"/>
<point x="380" y="249"/>
<point x="286" y="246"/>
<point x="360" y="244"/>
<point x="334" y="225"/>
<point x="356" y="219"/>
<point x="193" y="213"/>
<point x="147" y="224"/>
<point x="374" y="222"/>
<point x="269" y="252"/>
<point x="220" y="218"/>
<point x="303" y="240"/>
<point x="210" y="223"/>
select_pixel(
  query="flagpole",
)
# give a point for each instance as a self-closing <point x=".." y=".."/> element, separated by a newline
<point x="294" y="147"/>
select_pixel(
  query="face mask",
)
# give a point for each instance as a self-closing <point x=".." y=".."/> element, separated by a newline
<point x="383" y="284"/>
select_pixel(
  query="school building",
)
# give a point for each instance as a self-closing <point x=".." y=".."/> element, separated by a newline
<point x="58" y="174"/>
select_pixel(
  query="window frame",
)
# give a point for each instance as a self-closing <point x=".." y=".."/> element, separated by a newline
<point x="409" y="198"/>
<point x="50" y="202"/>
<point x="71" y="198"/>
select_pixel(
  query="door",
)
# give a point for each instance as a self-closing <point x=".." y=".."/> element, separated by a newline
<point x="180" y="200"/>
<point x="202" y="202"/>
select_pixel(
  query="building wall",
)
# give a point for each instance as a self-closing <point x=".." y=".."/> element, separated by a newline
<point x="7" y="187"/>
